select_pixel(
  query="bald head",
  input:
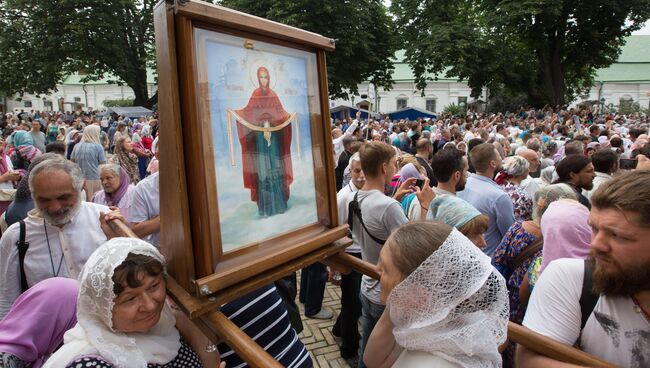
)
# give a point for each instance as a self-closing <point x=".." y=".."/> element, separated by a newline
<point x="423" y="146"/>
<point x="530" y="156"/>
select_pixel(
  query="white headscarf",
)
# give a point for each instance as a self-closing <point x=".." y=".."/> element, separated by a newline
<point x="91" y="134"/>
<point x="454" y="305"/>
<point x="94" y="334"/>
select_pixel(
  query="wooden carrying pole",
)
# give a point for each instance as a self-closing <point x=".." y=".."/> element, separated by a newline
<point x="256" y="356"/>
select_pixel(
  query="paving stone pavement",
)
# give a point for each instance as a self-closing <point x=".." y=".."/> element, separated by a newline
<point x="317" y="334"/>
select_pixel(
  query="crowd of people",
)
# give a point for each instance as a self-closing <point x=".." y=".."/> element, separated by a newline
<point x="532" y="190"/>
<point x="538" y="217"/>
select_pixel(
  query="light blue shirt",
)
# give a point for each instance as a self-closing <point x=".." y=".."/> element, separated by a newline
<point x="491" y="200"/>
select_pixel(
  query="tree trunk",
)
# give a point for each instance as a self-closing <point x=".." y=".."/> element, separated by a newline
<point x="139" y="86"/>
<point x="557" y="74"/>
<point x="551" y="76"/>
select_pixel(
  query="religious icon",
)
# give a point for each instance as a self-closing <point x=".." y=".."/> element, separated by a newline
<point x="264" y="132"/>
<point x="261" y="99"/>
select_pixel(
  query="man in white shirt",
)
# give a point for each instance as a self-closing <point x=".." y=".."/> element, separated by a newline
<point x="62" y="231"/>
<point x="617" y="328"/>
<point x="346" y="326"/>
<point x="144" y="215"/>
<point x="450" y="170"/>
<point x="605" y="163"/>
<point x="529" y="184"/>
<point x="337" y="137"/>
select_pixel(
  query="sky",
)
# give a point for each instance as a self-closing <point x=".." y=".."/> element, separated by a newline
<point x="643" y="31"/>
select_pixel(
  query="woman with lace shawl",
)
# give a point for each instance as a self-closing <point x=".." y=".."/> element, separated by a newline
<point x="446" y="306"/>
<point x="123" y="318"/>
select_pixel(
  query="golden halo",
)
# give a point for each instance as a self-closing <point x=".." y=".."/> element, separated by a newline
<point x="271" y="67"/>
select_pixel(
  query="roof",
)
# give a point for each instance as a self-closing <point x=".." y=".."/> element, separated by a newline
<point x="632" y="66"/>
<point x="635" y="50"/>
<point x="411" y="113"/>
<point x="404" y="73"/>
<point x="624" y="73"/>
<point x="75" y="79"/>
<point x="131" y="112"/>
<point x="338" y="110"/>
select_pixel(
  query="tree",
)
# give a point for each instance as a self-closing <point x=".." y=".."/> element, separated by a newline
<point x="548" y="50"/>
<point x="43" y="40"/>
<point x="364" y="34"/>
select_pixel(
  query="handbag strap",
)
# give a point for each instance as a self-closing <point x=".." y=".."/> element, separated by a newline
<point x="354" y="208"/>
<point x="22" y="246"/>
<point x="527" y="253"/>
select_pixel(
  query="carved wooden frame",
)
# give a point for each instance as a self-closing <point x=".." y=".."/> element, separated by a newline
<point x="190" y="234"/>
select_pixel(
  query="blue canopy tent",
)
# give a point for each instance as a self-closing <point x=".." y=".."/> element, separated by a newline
<point x="344" y="111"/>
<point x="411" y="113"/>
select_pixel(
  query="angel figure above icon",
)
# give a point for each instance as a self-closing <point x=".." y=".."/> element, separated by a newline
<point x="264" y="133"/>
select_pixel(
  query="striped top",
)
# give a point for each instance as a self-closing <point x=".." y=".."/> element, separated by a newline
<point x="88" y="156"/>
<point x="263" y="317"/>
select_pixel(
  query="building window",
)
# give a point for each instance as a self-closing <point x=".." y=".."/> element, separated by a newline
<point x="77" y="99"/>
<point x="401" y="103"/>
<point x="47" y="104"/>
<point x="462" y="101"/>
<point x="430" y="105"/>
<point x="27" y="103"/>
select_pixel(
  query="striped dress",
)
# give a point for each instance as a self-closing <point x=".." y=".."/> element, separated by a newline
<point x="263" y="317"/>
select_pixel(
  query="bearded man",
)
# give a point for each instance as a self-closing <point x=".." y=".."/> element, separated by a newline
<point x="61" y="232"/>
<point x="578" y="172"/>
<point x="616" y="327"/>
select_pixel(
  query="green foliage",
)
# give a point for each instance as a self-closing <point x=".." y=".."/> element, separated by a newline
<point x="454" y="110"/>
<point x="547" y="50"/>
<point x="118" y="103"/>
<point x="364" y="34"/>
<point x="43" y="40"/>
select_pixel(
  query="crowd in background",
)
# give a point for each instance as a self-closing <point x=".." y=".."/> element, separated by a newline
<point x="538" y="217"/>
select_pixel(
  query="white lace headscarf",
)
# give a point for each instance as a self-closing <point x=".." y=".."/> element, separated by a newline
<point x="94" y="334"/>
<point x="454" y="305"/>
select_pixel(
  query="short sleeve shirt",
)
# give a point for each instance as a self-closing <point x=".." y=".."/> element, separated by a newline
<point x="88" y="156"/>
<point x="616" y="331"/>
<point x="146" y="204"/>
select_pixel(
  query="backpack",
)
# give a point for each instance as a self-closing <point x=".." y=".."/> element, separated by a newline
<point x="22" y="246"/>
<point x="588" y="298"/>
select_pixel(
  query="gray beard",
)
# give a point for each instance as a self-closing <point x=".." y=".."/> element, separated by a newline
<point x="63" y="216"/>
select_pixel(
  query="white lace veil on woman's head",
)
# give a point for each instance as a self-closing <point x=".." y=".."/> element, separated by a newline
<point x="94" y="333"/>
<point x="454" y="305"/>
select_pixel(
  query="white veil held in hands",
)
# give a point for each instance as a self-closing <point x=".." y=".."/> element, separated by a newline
<point x="94" y="335"/>
<point x="454" y="306"/>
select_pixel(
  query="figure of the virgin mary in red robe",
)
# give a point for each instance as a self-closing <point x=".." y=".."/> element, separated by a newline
<point x="266" y="153"/>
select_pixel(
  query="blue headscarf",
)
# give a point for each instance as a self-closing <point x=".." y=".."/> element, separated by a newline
<point x="451" y="210"/>
<point x="22" y="138"/>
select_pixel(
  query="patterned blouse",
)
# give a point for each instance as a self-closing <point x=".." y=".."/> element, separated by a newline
<point x="186" y="358"/>
<point x="521" y="202"/>
<point x="514" y="242"/>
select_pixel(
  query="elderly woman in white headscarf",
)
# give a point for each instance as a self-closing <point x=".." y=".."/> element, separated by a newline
<point x="123" y="318"/>
<point x="446" y="306"/>
<point x="515" y="170"/>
